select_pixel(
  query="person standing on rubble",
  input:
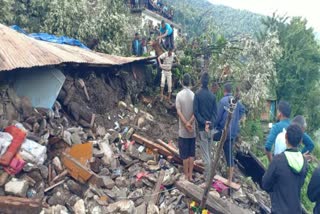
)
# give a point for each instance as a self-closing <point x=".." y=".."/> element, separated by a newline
<point x="166" y="75"/>
<point x="166" y="32"/>
<point x="205" y="111"/>
<point x="233" y="130"/>
<point x="187" y="134"/>
<point x="284" y="111"/>
<point x="286" y="174"/>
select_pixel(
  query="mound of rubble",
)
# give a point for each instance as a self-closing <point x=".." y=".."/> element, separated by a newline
<point x="92" y="154"/>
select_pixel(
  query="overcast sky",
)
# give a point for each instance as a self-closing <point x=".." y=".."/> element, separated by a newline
<point x="308" y="9"/>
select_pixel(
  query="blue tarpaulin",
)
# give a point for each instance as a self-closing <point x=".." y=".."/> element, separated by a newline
<point x="51" y="38"/>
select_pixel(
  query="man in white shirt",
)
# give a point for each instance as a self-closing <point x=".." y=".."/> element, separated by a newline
<point x="187" y="134"/>
<point x="166" y="75"/>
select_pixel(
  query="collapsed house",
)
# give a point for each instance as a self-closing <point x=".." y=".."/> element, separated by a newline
<point x="84" y="138"/>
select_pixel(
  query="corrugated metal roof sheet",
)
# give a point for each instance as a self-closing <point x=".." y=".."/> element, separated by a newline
<point x="20" y="51"/>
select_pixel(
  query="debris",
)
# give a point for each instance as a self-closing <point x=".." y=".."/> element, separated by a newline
<point x="225" y="182"/>
<point x="76" y="159"/>
<point x="17" y="205"/>
<point x="79" y="207"/>
<point x="124" y="207"/>
<point x="18" y="138"/>
<point x="17" y="187"/>
<point x="156" y="190"/>
<point x="57" y="164"/>
<point x="55" y="185"/>
<point x="214" y="205"/>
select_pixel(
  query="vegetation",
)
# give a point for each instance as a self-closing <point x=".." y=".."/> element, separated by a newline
<point x="193" y="15"/>
<point x="103" y="25"/>
<point x="276" y="54"/>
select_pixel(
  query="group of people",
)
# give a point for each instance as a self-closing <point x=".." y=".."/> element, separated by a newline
<point x="139" y="46"/>
<point x="288" y="167"/>
<point x="166" y="38"/>
<point x="211" y="119"/>
<point x="155" y="5"/>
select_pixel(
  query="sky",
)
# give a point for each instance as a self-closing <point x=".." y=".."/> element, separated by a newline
<point x="308" y="9"/>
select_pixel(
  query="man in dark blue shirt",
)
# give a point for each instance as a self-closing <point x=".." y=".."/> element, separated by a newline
<point x="205" y="111"/>
<point x="233" y="130"/>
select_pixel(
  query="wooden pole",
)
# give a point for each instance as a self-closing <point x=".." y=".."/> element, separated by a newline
<point x="233" y="105"/>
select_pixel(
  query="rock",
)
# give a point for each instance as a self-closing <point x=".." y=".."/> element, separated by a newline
<point x="57" y="164"/>
<point x="123" y="207"/>
<point x="104" y="172"/>
<point x="3" y="177"/>
<point x="240" y="196"/>
<point x="58" y="198"/>
<point x="79" y="207"/>
<point x="75" y="188"/>
<point x="169" y="178"/>
<point x="67" y="137"/>
<point x="121" y="193"/>
<point x="142" y="209"/>
<point x="97" y="153"/>
<point x="121" y="181"/>
<point x="58" y="209"/>
<point x="17" y="187"/>
<point x="136" y="194"/>
<point x="108" y="182"/>
<point x="2" y="193"/>
<point x="75" y="138"/>
<point x="101" y="131"/>
<point x="153" y="209"/>
<point x="252" y="198"/>
<point x="214" y="194"/>
<point x="145" y="157"/>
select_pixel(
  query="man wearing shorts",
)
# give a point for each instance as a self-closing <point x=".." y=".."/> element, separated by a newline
<point x="187" y="135"/>
<point x="166" y="75"/>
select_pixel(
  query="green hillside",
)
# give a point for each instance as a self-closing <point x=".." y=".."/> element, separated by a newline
<point x="197" y="15"/>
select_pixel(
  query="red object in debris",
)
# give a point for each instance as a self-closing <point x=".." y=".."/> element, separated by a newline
<point x="18" y="137"/>
<point x="219" y="186"/>
<point x="15" y="166"/>
<point x="140" y="175"/>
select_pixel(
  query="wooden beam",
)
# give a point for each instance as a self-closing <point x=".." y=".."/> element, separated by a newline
<point x="225" y="182"/>
<point x="156" y="191"/>
<point x="213" y="204"/>
<point x="169" y="148"/>
<point x="15" y="205"/>
<point x="163" y="151"/>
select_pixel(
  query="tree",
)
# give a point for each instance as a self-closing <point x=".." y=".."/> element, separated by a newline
<point x="298" y="70"/>
<point x="107" y="22"/>
<point x="250" y="65"/>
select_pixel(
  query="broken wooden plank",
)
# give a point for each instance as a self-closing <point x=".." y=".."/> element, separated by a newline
<point x="54" y="185"/>
<point x="156" y="191"/>
<point x="213" y="204"/>
<point x="58" y="177"/>
<point x="15" y="205"/>
<point x="163" y="151"/>
<point x="174" y="151"/>
<point x="225" y="182"/>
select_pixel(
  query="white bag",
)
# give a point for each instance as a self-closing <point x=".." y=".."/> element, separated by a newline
<point x="33" y="152"/>
<point x="5" y="141"/>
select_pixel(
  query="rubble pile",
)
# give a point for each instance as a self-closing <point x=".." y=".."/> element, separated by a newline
<point x="78" y="159"/>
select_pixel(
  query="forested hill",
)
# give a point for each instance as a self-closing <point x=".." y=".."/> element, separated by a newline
<point x="196" y="14"/>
